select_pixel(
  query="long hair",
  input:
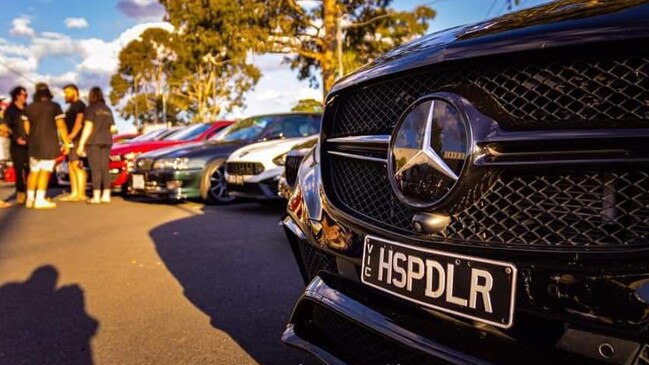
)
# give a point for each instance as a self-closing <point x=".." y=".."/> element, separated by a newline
<point x="16" y="91"/>
<point x="96" y="95"/>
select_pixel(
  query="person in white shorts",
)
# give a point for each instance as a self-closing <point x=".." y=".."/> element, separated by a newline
<point x="44" y="123"/>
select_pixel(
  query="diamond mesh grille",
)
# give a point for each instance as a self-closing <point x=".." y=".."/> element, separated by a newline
<point x="541" y="94"/>
<point x="539" y="208"/>
<point x="315" y="260"/>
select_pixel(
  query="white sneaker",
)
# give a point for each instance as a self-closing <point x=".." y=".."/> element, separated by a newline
<point x="44" y="204"/>
<point x="29" y="203"/>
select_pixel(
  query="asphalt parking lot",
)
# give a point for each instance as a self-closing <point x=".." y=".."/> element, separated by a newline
<point x="145" y="283"/>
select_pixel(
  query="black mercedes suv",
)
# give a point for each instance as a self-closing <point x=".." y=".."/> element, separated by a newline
<point x="481" y="195"/>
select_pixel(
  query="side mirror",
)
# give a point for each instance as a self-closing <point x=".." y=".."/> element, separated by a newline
<point x="274" y="136"/>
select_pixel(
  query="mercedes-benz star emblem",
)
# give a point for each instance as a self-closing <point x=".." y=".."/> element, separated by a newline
<point x="428" y="150"/>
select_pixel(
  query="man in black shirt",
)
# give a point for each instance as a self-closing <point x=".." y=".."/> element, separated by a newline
<point x="14" y="118"/>
<point x="74" y="123"/>
<point x="43" y="119"/>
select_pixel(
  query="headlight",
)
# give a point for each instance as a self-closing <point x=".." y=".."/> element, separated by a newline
<point x="280" y="160"/>
<point x="179" y="163"/>
<point x="130" y="156"/>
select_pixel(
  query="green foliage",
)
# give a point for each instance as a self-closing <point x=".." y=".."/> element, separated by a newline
<point x="337" y="34"/>
<point x="142" y="78"/>
<point x="309" y="106"/>
<point x="202" y="69"/>
<point x="214" y="38"/>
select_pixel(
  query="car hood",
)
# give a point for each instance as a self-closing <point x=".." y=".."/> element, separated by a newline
<point x="205" y="150"/>
<point x="140" y="147"/>
<point x="560" y="23"/>
<point x="263" y="151"/>
<point x="172" y="149"/>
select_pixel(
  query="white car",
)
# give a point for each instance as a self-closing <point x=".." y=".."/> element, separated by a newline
<point x="253" y="171"/>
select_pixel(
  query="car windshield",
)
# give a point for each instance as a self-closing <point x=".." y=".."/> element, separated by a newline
<point x="169" y="133"/>
<point x="190" y="133"/>
<point x="246" y="129"/>
<point x="293" y="126"/>
<point x="149" y="136"/>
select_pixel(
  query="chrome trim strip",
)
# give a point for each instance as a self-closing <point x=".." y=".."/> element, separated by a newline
<point x="293" y="227"/>
<point x="358" y="157"/>
<point x="361" y="140"/>
<point x="538" y="136"/>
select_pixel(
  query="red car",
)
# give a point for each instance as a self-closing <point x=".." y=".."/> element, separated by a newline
<point x="122" y="155"/>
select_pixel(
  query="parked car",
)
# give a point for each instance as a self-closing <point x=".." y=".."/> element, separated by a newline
<point x="287" y="180"/>
<point x="116" y="165"/>
<point x="254" y="171"/>
<point x="154" y="135"/>
<point x="123" y="156"/>
<point x="197" y="171"/>
<point x="121" y="138"/>
<point x="482" y="196"/>
<point x="7" y="172"/>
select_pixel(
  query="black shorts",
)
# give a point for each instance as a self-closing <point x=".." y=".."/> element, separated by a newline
<point x="72" y="155"/>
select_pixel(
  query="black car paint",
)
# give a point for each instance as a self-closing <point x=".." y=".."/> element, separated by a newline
<point x="601" y="290"/>
<point x="628" y="21"/>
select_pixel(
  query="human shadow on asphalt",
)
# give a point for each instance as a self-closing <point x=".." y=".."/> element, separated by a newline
<point x="43" y="324"/>
<point x="235" y="265"/>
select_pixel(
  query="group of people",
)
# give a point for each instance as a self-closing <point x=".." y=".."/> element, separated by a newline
<point x="40" y="132"/>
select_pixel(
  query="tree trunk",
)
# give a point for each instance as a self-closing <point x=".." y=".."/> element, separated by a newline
<point x="331" y="14"/>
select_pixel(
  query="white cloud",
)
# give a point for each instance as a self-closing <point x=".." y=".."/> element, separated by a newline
<point x="76" y="23"/>
<point x="148" y="10"/>
<point x="145" y="2"/>
<point x="278" y="89"/>
<point x="21" y="27"/>
<point x="95" y="60"/>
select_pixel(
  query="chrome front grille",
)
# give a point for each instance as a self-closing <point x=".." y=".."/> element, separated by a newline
<point x="578" y="207"/>
<point x="537" y="207"/>
<point x="244" y="168"/>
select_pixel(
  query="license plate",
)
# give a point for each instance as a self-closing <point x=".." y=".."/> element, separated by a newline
<point x="138" y="182"/>
<point x="469" y="287"/>
<point x="235" y="179"/>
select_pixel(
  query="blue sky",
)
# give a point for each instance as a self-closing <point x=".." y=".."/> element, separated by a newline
<point x="61" y="41"/>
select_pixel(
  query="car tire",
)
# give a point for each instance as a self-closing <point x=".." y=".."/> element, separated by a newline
<point x="213" y="187"/>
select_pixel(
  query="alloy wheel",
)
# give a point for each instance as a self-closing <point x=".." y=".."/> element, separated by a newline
<point x="218" y="187"/>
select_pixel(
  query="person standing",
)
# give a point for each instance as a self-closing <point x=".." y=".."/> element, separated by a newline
<point x="5" y="132"/>
<point x="74" y="123"/>
<point x="43" y="119"/>
<point x="96" y="141"/>
<point x="19" y="156"/>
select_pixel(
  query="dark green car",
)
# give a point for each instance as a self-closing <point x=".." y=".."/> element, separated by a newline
<point x="196" y="170"/>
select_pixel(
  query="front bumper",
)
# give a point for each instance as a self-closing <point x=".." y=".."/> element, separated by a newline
<point x="260" y="187"/>
<point x="563" y="315"/>
<point x="168" y="184"/>
<point x="340" y="322"/>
